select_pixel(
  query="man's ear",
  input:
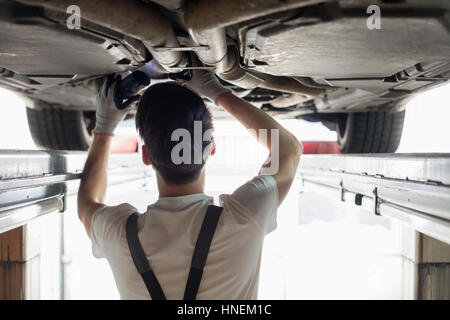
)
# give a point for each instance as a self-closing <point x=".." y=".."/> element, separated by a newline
<point x="145" y="156"/>
<point x="213" y="147"/>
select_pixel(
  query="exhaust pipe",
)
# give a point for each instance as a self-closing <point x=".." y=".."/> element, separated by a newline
<point x="288" y="85"/>
<point x="133" y="18"/>
<point x="235" y="74"/>
<point x="206" y="21"/>
<point x="252" y="79"/>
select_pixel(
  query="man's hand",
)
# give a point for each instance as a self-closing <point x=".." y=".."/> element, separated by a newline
<point x="108" y="116"/>
<point x="205" y="84"/>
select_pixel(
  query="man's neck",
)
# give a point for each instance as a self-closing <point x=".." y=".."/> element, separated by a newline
<point x="166" y="190"/>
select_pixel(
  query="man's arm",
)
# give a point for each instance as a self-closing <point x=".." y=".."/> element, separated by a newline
<point x="91" y="193"/>
<point x="290" y="149"/>
<point x="92" y="189"/>
<point x="253" y="118"/>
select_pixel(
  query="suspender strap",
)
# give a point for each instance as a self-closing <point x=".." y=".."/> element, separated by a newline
<point x="198" y="259"/>
<point x="201" y="251"/>
<point x="140" y="260"/>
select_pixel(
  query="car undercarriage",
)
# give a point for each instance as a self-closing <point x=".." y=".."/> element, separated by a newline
<point x="307" y="59"/>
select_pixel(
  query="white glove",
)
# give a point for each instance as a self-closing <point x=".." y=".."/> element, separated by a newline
<point x="205" y="84"/>
<point x="108" y="116"/>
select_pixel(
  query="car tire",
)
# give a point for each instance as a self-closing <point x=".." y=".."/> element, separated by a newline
<point x="58" y="129"/>
<point x="370" y="132"/>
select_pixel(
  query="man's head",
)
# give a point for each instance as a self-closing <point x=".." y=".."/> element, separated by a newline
<point x="163" y="109"/>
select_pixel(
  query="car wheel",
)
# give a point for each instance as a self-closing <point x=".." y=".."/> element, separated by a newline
<point x="370" y="132"/>
<point x="59" y="129"/>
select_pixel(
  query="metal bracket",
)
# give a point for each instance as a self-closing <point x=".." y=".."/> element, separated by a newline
<point x="172" y="49"/>
<point x="64" y="198"/>
<point x="420" y="78"/>
<point x="302" y="179"/>
<point x="375" y="202"/>
<point x="342" y="190"/>
<point x="433" y="182"/>
<point x="358" y="199"/>
<point x="181" y="69"/>
<point x="196" y="68"/>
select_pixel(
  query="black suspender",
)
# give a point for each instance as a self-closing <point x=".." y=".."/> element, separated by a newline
<point x="201" y="251"/>
<point x="198" y="259"/>
<point x="140" y="260"/>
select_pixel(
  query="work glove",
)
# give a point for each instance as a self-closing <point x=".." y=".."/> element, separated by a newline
<point x="204" y="83"/>
<point x="108" y="116"/>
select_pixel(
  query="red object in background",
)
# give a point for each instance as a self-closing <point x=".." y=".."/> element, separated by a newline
<point x="124" y="145"/>
<point x="320" y="147"/>
<point x="130" y="145"/>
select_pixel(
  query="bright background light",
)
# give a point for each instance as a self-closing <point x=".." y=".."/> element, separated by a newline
<point x="342" y="258"/>
<point x="426" y="126"/>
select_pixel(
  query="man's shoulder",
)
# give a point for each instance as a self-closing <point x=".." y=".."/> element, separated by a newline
<point x="108" y="217"/>
<point x="257" y="186"/>
<point x="120" y="209"/>
<point x="256" y="201"/>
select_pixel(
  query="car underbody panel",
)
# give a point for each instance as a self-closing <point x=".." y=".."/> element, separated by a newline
<point x="292" y="58"/>
<point x="44" y="60"/>
<point x="345" y="48"/>
<point x="332" y="45"/>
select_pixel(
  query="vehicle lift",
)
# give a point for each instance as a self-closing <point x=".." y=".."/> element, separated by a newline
<point x="413" y="189"/>
<point x="34" y="188"/>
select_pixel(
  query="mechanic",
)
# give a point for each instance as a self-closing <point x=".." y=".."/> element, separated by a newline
<point x="183" y="247"/>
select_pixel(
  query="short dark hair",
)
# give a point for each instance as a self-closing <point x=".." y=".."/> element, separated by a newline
<point x="163" y="108"/>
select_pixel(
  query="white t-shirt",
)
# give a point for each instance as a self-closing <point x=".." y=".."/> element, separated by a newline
<point x="168" y="231"/>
